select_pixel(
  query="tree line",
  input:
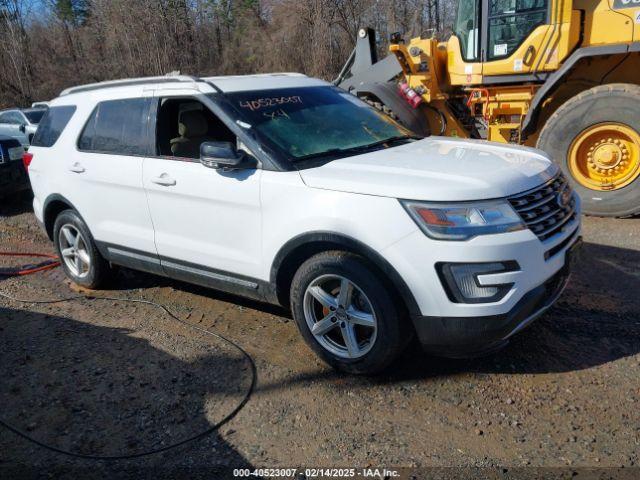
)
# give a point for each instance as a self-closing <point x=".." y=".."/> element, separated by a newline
<point x="48" y="45"/>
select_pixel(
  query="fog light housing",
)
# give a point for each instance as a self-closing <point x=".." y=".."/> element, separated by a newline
<point x="460" y="281"/>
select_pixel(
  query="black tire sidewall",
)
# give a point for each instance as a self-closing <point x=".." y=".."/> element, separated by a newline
<point x="390" y="335"/>
<point x="599" y="105"/>
<point x="96" y="275"/>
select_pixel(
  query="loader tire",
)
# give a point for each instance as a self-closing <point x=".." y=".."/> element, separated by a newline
<point x="595" y="139"/>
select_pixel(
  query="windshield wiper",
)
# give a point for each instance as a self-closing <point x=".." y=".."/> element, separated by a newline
<point x="327" y="153"/>
<point x="359" y="148"/>
<point x="390" y="140"/>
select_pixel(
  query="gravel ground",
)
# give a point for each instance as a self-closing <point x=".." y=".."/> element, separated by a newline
<point x="113" y="378"/>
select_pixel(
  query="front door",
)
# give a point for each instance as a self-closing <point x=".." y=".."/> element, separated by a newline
<point x="207" y="222"/>
<point x="514" y="35"/>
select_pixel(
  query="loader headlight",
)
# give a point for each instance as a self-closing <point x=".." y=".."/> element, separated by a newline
<point x="463" y="220"/>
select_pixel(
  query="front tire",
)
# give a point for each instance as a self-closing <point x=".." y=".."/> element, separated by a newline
<point x="347" y="314"/>
<point x="79" y="256"/>
<point x="595" y="138"/>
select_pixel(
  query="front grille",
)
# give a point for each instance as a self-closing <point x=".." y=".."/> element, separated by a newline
<point x="548" y="208"/>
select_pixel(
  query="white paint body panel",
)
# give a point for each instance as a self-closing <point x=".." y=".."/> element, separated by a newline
<point x="382" y="224"/>
<point x="109" y="192"/>
<point x="238" y="222"/>
<point x="437" y="169"/>
<point x="208" y="218"/>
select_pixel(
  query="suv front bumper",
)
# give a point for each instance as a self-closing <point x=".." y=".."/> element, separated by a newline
<point x="463" y="337"/>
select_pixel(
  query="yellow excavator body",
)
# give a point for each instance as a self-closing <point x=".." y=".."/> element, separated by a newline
<point x="562" y="75"/>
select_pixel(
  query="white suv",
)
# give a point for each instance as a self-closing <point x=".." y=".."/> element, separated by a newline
<point x="286" y="189"/>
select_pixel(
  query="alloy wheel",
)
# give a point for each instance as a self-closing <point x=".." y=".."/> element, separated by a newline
<point x="74" y="251"/>
<point x="340" y="316"/>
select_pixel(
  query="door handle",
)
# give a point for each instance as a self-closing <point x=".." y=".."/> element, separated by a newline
<point x="76" y="168"/>
<point x="528" y="56"/>
<point x="165" y="180"/>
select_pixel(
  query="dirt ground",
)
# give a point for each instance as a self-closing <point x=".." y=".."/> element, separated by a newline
<point x="112" y="378"/>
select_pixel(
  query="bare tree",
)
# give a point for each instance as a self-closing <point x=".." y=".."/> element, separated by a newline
<point x="48" y="45"/>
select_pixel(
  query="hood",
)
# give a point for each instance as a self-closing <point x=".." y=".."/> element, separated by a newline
<point x="437" y="169"/>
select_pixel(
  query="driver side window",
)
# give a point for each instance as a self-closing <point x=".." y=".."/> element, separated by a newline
<point x="184" y="124"/>
<point x="511" y="22"/>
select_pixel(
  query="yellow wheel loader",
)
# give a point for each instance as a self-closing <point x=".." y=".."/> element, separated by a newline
<point x="560" y="75"/>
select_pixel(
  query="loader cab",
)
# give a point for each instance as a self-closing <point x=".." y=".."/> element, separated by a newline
<point x="500" y="37"/>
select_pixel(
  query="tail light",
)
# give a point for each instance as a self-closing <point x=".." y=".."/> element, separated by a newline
<point x="26" y="160"/>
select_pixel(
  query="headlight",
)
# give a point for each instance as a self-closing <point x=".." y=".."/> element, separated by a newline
<point x="464" y="220"/>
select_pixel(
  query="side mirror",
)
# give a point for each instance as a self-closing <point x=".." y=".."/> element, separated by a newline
<point x="222" y="155"/>
<point x="22" y="127"/>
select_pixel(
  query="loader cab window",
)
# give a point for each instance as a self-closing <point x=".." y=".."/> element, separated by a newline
<point x="466" y="29"/>
<point x="511" y="22"/>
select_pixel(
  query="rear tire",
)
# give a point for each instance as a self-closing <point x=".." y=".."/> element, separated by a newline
<point x="614" y="106"/>
<point x="363" y="336"/>
<point x="79" y="256"/>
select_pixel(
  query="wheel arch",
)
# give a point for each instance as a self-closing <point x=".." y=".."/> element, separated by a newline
<point x="53" y="206"/>
<point x="299" y="249"/>
<point x="532" y="120"/>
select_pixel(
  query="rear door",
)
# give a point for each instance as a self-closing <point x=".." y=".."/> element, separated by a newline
<point x="105" y="175"/>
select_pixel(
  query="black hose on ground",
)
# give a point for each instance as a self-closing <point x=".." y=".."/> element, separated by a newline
<point x="197" y="436"/>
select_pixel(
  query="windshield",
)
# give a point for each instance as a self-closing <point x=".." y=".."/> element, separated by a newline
<point x="34" y="116"/>
<point x="315" y="121"/>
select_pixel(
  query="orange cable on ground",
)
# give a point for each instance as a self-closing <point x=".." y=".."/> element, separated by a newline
<point x="52" y="262"/>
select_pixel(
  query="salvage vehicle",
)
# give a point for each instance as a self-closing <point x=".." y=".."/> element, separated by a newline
<point x="555" y="74"/>
<point x="13" y="176"/>
<point x="286" y="189"/>
<point x="21" y="123"/>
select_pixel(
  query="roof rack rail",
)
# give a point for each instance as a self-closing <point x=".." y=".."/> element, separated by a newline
<point x="127" y="82"/>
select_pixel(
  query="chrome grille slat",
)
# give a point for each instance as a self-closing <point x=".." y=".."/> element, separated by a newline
<point x="542" y="218"/>
<point x="540" y="209"/>
<point x="559" y="224"/>
<point x="537" y="204"/>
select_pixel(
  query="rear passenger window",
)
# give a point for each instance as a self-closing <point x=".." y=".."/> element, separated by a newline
<point x="119" y="127"/>
<point x="51" y="126"/>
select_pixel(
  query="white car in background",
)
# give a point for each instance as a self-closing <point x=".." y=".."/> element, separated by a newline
<point x="21" y="123"/>
<point x="285" y="189"/>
